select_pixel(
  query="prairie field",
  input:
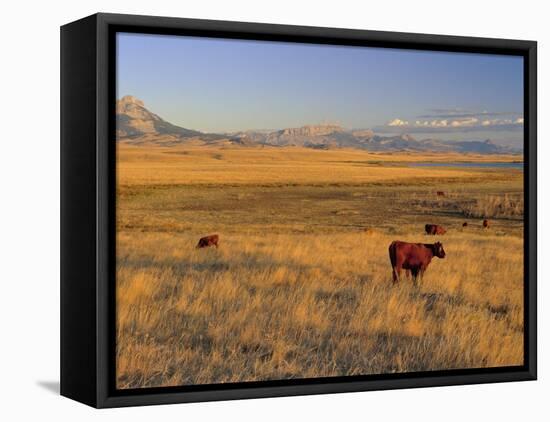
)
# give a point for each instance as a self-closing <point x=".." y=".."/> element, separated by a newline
<point x="301" y="285"/>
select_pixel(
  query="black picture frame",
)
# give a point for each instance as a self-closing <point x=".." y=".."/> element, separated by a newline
<point x="88" y="224"/>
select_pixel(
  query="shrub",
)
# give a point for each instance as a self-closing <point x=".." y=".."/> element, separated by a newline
<point x="493" y="206"/>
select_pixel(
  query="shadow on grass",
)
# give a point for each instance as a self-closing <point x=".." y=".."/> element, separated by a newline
<point x="215" y="262"/>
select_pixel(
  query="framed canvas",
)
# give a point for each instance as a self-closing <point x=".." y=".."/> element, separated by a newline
<point x="253" y="210"/>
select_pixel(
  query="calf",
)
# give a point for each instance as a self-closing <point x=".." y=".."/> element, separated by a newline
<point x="465" y="224"/>
<point x="413" y="257"/>
<point x="486" y="224"/>
<point x="434" y="229"/>
<point x="206" y="241"/>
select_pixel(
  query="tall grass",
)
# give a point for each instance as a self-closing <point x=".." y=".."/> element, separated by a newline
<point x="493" y="206"/>
<point x="293" y="306"/>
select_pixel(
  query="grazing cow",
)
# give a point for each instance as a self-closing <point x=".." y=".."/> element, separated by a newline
<point x="465" y="224"/>
<point x="486" y="224"/>
<point x="434" y="229"/>
<point x="440" y="193"/>
<point x="206" y="241"/>
<point x="413" y="257"/>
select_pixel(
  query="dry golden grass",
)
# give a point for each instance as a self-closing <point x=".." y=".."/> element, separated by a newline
<point x="493" y="206"/>
<point x="309" y="306"/>
<point x="271" y="165"/>
<point x="301" y="283"/>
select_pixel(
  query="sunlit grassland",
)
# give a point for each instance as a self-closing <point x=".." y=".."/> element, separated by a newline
<point x="301" y="284"/>
<point x="271" y="165"/>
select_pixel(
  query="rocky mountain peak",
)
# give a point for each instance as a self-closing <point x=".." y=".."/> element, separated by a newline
<point x="312" y="130"/>
<point x="130" y="99"/>
<point x="134" y="120"/>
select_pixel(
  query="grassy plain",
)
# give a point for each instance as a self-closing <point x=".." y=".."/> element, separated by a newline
<point x="301" y="283"/>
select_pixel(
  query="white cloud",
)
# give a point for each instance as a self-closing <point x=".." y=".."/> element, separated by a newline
<point x="465" y="122"/>
<point x="442" y="123"/>
<point x="457" y="123"/>
<point x="398" y="122"/>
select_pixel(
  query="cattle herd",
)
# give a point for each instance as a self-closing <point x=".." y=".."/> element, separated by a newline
<point x="414" y="258"/>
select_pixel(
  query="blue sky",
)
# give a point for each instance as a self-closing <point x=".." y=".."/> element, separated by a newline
<point x="220" y="85"/>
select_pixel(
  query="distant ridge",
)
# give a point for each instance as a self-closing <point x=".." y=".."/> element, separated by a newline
<point x="139" y="126"/>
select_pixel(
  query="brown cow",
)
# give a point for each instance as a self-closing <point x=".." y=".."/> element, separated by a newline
<point x="486" y="224"/>
<point x="434" y="229"/>
<point x="440" y="193"/>
<point x="413" y="257"/>
<point x="465" y="224"/>
<point x="206" y="241"/>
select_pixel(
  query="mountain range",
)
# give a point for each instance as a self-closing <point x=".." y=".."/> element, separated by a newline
<point x="137" y="125"/>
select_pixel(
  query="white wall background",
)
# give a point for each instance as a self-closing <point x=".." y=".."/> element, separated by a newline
<point x="29" y="238"/>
